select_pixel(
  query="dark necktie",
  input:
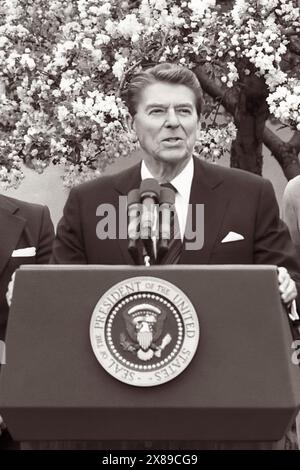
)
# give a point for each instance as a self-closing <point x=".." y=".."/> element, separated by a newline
<point x="175" y="244"/>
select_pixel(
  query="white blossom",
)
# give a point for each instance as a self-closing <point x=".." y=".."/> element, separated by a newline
<point x="3" y="41"/>
<point x="119" y="66"/>
<point x="62" y="113"/>
<point x="239" y="10"/>
<point x="26" y="60"/>
<point x="200" y="6"/>
<point x="284" y="102"/>
<point x="67" y="82"/>
<point x="130" y="28"/>
<point x="61" y="82"/>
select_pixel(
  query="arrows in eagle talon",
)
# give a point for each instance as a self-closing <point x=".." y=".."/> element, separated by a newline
<point x="165" y="341"/>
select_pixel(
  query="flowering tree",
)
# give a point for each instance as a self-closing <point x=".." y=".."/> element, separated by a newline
<point x="64" y="66"/>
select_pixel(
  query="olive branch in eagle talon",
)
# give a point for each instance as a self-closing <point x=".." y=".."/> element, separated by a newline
<point x="127" y="345"/>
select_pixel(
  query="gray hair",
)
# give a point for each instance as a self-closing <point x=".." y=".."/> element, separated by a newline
<point x="165" y="72"/>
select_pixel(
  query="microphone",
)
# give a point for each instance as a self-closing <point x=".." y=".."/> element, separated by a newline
<point x="149" y="194"/>
<point x="134" y="219"/>
<point x="167" y="202"/>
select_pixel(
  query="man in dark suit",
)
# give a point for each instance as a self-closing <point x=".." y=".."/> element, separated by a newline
<point x="241" y="219"/>
<point x="26" y="237"/>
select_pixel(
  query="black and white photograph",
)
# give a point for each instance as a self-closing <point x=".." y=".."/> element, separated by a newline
<point x="150" y="230"/>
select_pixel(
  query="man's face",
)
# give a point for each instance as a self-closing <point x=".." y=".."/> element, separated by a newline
<point x="166" y="122"/>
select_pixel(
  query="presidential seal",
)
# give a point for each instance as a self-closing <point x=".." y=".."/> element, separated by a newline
<point x="144" y="331"/>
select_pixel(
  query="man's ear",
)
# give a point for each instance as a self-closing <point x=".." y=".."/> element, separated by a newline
<point x="130" y="123"/>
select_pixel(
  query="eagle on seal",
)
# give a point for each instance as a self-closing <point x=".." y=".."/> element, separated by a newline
<point x="144" y="325"/>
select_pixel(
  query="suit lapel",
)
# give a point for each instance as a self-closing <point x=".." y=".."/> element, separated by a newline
<point x="207" y="190"/>
<point x="11" y="227"/>
<point x="125" y="182"/>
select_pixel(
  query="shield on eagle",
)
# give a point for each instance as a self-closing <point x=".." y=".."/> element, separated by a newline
<point x="144" y="325"/>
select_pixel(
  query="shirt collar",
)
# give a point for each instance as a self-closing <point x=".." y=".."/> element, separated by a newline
<point x="181" y="182"/>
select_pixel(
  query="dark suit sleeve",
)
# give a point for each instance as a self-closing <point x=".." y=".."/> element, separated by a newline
<point x="68" y="245"/>
<point x="272" y="244"/>
<point x="46" y="237"/>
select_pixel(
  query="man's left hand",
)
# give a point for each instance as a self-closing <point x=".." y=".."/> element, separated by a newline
<point x="287" y="286"/>
<point x="2" y="425"/>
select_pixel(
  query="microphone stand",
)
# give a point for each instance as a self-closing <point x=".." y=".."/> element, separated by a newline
<point x="134" y="214"/>
<point x="141" y="206"/>
<point x="149" y="193"/>
<point x="167" y="202"/>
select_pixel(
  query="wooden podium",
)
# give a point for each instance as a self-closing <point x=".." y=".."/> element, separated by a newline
<point x="241" y="384"/>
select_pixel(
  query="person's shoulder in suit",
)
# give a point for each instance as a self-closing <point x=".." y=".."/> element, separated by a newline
<point x="291" y="192"/>
<point x="87" y="202"/>
<point x="231" y="176"/>
<point x="27" y="208"/>
<point x="248" y="190"/>
<point x="107" y="183"/>
<point x="37" y="220"/>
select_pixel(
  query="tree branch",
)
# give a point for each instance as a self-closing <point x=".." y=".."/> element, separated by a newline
<point x="295" y="140"/>
<point x="226" y="96"/>
<point x="286" y="153"/>
<point x="125" y="74"/>
<point x="294" y="46"/>
<point x="290" y="32"/>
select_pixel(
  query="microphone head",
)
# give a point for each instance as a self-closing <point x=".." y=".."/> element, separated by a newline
<point x="150" y="188"/>
<point x="133" y="197"/>
<point x="167" y="196"/>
